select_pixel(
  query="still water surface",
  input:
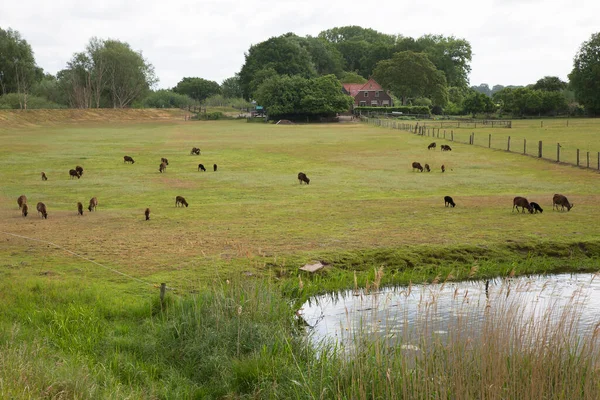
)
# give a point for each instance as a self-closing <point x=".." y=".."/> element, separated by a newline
<point x="437" y="309"/>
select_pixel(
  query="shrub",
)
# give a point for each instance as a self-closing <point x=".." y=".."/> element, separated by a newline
<point x="166" y="99"/>
<point x="11" y="101"/>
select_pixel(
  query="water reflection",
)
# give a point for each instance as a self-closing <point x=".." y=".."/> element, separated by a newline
<point x="446" y="309"/>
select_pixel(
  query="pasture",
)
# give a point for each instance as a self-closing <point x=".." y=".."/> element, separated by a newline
<point x="72" y="327"/>
<point x="252" y="214"/>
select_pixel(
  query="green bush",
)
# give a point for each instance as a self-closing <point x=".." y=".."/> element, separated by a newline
<point x="402" y="109"/>
<point x="11" y="101"/>
<point x="211" y="116"/>
<point x="166" y="99"/>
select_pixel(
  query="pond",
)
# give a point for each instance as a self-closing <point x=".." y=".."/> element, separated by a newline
<point x="563" y="301"/>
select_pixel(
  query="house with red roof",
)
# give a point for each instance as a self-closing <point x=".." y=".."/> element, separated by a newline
<point x="368" y="94"/>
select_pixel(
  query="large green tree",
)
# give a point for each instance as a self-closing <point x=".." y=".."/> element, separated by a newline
<point x="477" y="102"/>
<point x="585" y="77"/>
<point x="450" y="55"/>
<point x="18" y="70"/>
<point x="298" y="97"/>
<point x="411" y="75"/>
<point x="230" y="88"/>
<point x="284" y="55"/>
<point x="107" y="74"/>
<point x="197" y="88"/>
<point x="550" y="84"/>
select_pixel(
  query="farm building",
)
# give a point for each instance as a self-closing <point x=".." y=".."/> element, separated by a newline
<point x="368" y="94"/>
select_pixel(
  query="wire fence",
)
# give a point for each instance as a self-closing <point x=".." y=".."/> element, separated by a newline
<point x="540" y="149"/>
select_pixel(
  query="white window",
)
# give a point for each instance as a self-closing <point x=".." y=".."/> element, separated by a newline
<point x="363" y="103"/>
<point x="366" y="94"/>
<point x="377" y="93"/>
<point x="374" y="103"/>
<point x="385" y="103"/>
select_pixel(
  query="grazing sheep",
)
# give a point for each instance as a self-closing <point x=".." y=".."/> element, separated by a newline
<point x="215" y="167"/>
<point x="445" y="147"/>
<point x="164" y="160"/>
<point x="79" y="208"/>
<point x="41" y="209"/>
<point x="560" y="200"/>
<point x="201" y="168"/>
<point x="73" y="173"/>
<point x="431" y="146"/>
<point x="24" y="210"/>
<point x="93" y="204"/>
<point x="79" y="170"/>
<point x="195" y="151"/>
<point x="418" y="166"/>
<point x="180" y="200"/>
<point x="443" y="169"/>
<point x="128" y="159"/>
<point x="523" y="203"/>
<point x="427" y="169"/>
<point x="536" y="207"/>
<point x="162" y="167"/>
<point x="448" y="201"/>
<point x="147" y="214"/>
<point x="44" y="177"/>
<point x="22" y="200"/>
<point x="303" y="178"/>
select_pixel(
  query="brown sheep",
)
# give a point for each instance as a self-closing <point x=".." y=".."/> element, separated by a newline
<point x="22" y="200"/>
<point x="443" y="168"/>
<point x="201" y="168"/>
<point x="79" y="170"/>
<point x="93" y="204"/>
<point x="164" y="160"/>
<point x="427" y="169"/>
<point x="41" y="209"/>
<point x="24" y="210"/>
<point x="162" y="167"/>
<point x="147" y="214"/>
<point x="448" y="201"/>
<point x="560" y="200"/>
<point x="523" y="203"/>
<point x="431" y="146"/>
<point x="445" y="147"/>
<point x="418" y="166"/>
<point x="179" y="200"/>
<point x="195" y="151"/>
<point x="79" y="208"/>
<point x="73" y="173"/>
<point x="128" y="159"/>
<point x="536" y="207"/>
<point x="44" y="177"/>
<point x="215" y="167"/>
<point x="303" y="178"/>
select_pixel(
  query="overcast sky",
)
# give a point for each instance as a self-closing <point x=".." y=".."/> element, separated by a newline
<point x="514" y="42"/>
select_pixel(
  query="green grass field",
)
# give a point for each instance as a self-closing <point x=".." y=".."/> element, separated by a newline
<point x="72" y="327"/>
<point x="363" y="197"/>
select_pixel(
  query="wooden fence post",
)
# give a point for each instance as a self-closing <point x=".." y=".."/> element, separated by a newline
<point x="508" y="145"/>
<point x="578" y="157"/>
<point x="588" y="159"/>
<point x="452" y="135"/>
<point x="540" y="149"/>
<point x="557" y="152"/>
<point x="163" y="289"/>
<point x="541" y="124"/>
<point x="490" y="141"/>
<point x="444" y="134"/>
<point x="524" y="146"/>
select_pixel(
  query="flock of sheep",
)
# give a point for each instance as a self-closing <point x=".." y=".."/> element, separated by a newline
<point x="557" y="200"/>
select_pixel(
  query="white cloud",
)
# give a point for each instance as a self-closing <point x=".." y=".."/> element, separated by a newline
<point x="513" y="42"/>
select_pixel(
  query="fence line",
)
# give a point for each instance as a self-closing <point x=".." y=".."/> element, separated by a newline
<point x="540" y="150"/>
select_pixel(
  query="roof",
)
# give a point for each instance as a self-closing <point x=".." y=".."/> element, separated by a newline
<point x="354" y="88"/>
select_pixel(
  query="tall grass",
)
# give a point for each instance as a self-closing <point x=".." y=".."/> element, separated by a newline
<point x="242" y="340"/>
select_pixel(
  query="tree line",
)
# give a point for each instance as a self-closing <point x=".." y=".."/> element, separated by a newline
<point x="293" y="75"/>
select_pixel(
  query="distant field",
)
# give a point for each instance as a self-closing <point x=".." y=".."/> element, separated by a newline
<point x="363" y="196"/>
<point x="572" y="134"/>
